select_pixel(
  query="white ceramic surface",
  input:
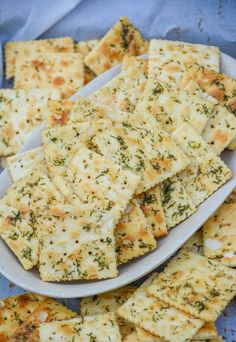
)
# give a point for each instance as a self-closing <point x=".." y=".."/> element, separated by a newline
<point x="30" y="280"/>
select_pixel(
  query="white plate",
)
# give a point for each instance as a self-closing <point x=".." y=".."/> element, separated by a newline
<point x="30" y="280"/>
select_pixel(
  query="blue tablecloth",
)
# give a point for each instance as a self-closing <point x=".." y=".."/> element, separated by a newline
<point x="202" y="21"/>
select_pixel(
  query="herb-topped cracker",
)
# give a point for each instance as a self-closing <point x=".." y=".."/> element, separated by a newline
<point x="219" y="235"/>
<point x="13" y="49"/>
<point x="196" y="285"/>
<point x="139" y="144"/>
<point x="64" y="71"/>
<point x="14" y="311"/>
<point x="99" y="328"/>
<point x="158" y="317"/>
<point x="59" y="112"/>
<point x="122" y="39"/>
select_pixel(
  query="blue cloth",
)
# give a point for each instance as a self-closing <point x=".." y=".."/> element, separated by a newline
<point x="202" y="21"/>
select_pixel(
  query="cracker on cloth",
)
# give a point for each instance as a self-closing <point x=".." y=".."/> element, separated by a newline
<point x="220" y="129"/>
<point x="64" y="71"/>
<point x="14" y="311"/>
<point x="122" y="39"/>
<point x="21" y="164"/>
<point x="219" y="235"/>
<point x="21" y="111"/>
<point x="141" y="145"/>
<point x="59" y="112"/>
<point x="168" y="59"/>
<point x="99" y="328"/>
<point x="157" y="317"/>
<point x="151" y="205"/>
<point x="206" y="172"/>
<point x="47" y="311"/>
<point x="81" y="242"/>
<point x="196" y="285"/>
<point x="13" y="49"/>
<point x="109" y="302"/>
<point x="207" y="332"/>
<point x="134" y="236"/>
<point x="172" y="107"/>
<point x="124" y="90"/>
<point x="22" y="208"/>
<point x="177" y="204"/>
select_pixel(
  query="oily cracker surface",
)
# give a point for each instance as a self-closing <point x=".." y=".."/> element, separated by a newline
<point x="134" y="236"/>
<point x="49" y="310"/>
<point x="158" y="317"/>
<point x="122" y="39"/>
<point x="64" y="71"/>
<point x="176" y="202"/>
<point x="59" y="112"/>
<point x="206" y="172"/>
<point x="13" y="49"/>
<point x="139" y="144"/>
<point x="196" y="285"/>
<point x="219" y="235"/>
<point x="100" y="328"/>
<point x="14" y="311"/>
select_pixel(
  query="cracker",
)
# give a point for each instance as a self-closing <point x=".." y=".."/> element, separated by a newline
<point x="124" y="90"/>
<point x="84" y="47"/>
<point x="145" y="336"/>
<point x="22" y="208"/>
<point x="151" y="205"/>
<point x="168" y="59"/>
<point x="59" y="112"/>
<point x="50" y="70"/>
<point x="206" y="172"/>
<point x="220" y="129"/>
<point x="21" y="111"/>
<point x="139" y="144"/>
<point x="196" y="285"/>
<point x="172" y="107"/>
<point x="108" y="302"/>
<point x="219" y="235"/>
<point x="158" y="317"/>
<point x="21" y="164"/>
<point x="14" y="311"/>
<point x="176" y="202"/>
<point x="49" y="310"/>
<point x="134" y="236"/>
<point x="13" y="49"/>
<point x="232" y="197"/>
<point x="99" y="328"/>
<point x="61" y="143"/>
<point x="195" y="243"/>
<point x="100" y="192"/>
<point x="133" y="337"/>
<point x="122" y="39"/>
<point x="207" y="332"/>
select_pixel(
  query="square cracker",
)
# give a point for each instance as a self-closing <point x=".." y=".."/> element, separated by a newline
<point x="219" y="235"/>
<point x="49" y="310"/>
<point x="84" y="47"/>
<point x="21" y="164"/>
<point x="151" y="205"/>
<point x="141" y="145"/>
<point x="134" y="236"/>
<point x="64" y="71"/>
<point x="99" y="328"/>
<point x="99" y="192"/>
<point x="124" y="90"/>
<point x="108" y="302"/>
<point x="14" y="311"/>
<point x="206" y="172"/>
<point x="21" y="111"/>
<point x="59" y="112"/>
<point x="22" y="208"/>
<point x="220" y="129"/>
<point x="158" y="317"/>
<point x="196" y="285"/>
<point x="195" y="243"/>
<point x="122" y="39"/>
<point x="172" y="107"/>
<point x="168" y="59"/>
<point x="13" y="49"/>
<point x="176" y="202"/>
